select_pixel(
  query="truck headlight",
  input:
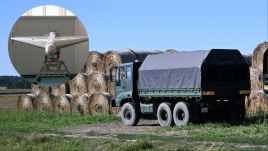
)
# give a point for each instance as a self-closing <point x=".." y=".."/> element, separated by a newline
<point x="265" y="87"/>
<point x="244" y="92"/>
<point x="208" y="93"/>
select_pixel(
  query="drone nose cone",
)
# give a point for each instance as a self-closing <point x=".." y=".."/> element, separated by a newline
<point x="50" y="50"/>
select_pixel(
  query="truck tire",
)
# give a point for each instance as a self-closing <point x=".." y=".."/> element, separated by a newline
<point x="164" y="114"/>
<point x="129" y="115"/>
<point x="181" y="114"/>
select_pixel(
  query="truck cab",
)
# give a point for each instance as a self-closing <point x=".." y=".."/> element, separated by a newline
<point x="126" y="76"/>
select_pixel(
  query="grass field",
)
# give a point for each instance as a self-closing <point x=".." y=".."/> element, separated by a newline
<point x="14" y="91"/>
<point x="27" y="131"/>
<point x="8" y="102"/>
<point x="23" y="131"/>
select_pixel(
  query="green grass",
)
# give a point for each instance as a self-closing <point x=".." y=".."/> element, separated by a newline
<point x="34" y="142"/>
<point x="22" y="131"/>
<point x="254" y="132"/>
<point x="28" y="122"/>
<point x="248" y="132"/>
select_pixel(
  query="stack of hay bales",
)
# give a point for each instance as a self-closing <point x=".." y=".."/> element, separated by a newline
<point x="88" y="92"/>
<point x="257" y="102"/>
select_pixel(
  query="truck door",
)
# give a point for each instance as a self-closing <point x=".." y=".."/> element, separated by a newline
<point x="123" y="80"/>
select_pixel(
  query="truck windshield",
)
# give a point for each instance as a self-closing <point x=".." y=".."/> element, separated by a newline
<point x="129" y="73"/>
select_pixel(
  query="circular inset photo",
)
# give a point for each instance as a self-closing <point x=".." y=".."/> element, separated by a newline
<point x="48" y="45"/>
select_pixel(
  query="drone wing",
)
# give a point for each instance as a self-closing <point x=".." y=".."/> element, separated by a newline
<point x="34" y="41"/>
<point x="65" y="41"/>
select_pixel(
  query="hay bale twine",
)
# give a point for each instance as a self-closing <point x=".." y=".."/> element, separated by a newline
<point x="111" y="59"/>
<point x="94" y="63"/>
<point x="25" y="102"/>
<point x="99" y="103"/>
<point x="80" y="104"/>
<point x="60" y="104"/>
<point x="78" y="85"/>
<point x="43" y="102"/>
<point x="258" y="53"/>
<point x="256" y="80"/>
<point x="59" y="90"/>
<point x="38" y="89"/>
<point x="97" y="83"/>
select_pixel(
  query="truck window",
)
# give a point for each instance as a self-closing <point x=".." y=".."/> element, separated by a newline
<point x="129" y="73"/>
<point x="122" y="74"/>
<point x="117" y="74"/>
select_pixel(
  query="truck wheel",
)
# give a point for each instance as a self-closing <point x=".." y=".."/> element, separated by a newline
<point x="164" y="114"/>
<point x="129" y="115"/>
<point x="181" y="114"/>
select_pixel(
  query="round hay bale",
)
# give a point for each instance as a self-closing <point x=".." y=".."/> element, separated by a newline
<point x="111" y="59"/>
<point x="78" y="85"/>
<point x="43" y="102"/>
<point x="38" y="89"/>
<point x="171" y="51"/>
<point x="128" y="55"/>
<point x="59" y="90"/>
<point x="94" y="63"/>
<point x="99" y="104"/>
<point x="97" y="83"/>
<point x="80" y="104"/>
<point x="257" y="105"/>
<point x="256" y="81"/>
<point x="25" y="102"/>
<point x="60" y="104"/>
<point x="143" y="54"/>
<point x="257" y="58"/>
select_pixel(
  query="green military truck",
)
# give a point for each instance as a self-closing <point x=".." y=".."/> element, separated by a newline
<point x="180" y="87"/>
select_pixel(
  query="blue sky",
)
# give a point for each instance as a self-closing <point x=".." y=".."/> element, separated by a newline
<point x="153" y="24"/>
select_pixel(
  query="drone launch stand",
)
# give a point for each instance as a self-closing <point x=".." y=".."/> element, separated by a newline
<point x="53" y="68"/>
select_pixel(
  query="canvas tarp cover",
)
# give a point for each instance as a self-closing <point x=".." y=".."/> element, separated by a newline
<point x="172" y="71"/>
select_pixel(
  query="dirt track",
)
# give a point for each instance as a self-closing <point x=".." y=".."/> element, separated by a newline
<point x="111" y="131"/>
<point x="144" y="127"/>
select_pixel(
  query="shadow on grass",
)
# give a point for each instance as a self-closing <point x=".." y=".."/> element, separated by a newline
<point x="249" y="120"/>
